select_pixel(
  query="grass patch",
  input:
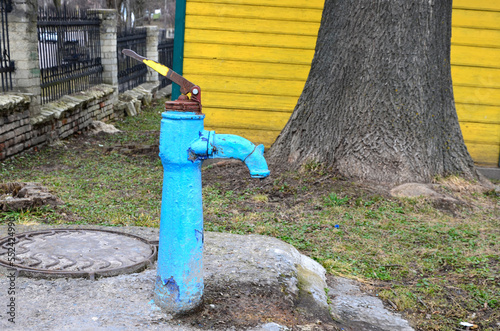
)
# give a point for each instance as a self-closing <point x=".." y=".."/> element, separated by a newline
<point x="97" y="185"/>
<point x="437" y="266"/>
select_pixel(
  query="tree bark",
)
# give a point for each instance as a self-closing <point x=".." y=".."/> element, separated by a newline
<point x="378" y="103"/>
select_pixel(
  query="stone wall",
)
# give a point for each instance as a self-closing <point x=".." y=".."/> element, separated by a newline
<point x="14" y="124"/>
<point x="22" y="32"/>
<point x="19" y="131"/>
<point x="108" y="29"/>
<point x="26" y="124"/>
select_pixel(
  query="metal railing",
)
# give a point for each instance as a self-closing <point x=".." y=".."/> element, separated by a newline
<point x="131" y="73"/>
<point x="6" y="65"/>
<point x="165" y="55"/>
<point x="69" y="51"/>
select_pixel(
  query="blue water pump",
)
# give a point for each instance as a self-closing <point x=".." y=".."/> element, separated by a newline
<point x="184" y="145"/>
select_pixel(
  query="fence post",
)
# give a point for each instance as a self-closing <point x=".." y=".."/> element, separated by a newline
<point x="109" y="61"/>
<point x="24" y="50"/>
<point x="152" y="51"/>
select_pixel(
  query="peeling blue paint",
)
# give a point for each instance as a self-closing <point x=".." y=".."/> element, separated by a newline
<point x="172" y="287"/>
<point x="199" y="236"/>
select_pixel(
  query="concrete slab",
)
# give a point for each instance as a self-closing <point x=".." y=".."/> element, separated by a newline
<point x="251" y="282"/>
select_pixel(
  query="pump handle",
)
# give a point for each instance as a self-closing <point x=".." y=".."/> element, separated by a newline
<point x="185" y="85"/>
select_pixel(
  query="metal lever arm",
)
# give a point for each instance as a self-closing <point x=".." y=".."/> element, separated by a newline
<point x="185" y="85"/>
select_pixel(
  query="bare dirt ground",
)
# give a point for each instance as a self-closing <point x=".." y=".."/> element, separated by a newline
<point x="243" y="308"/>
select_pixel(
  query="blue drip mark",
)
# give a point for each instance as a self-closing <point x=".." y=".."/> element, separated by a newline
<point x="199" y="235"/>
<point x="173" y="288"/>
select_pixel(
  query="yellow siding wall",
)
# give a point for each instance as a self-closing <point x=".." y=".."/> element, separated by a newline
<point x="252" y="57"/>
<point x="475" y="60"/>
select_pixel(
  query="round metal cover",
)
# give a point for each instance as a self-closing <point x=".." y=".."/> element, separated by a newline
<point x="76" y="253"/>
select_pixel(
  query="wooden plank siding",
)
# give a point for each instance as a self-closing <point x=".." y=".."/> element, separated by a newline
<point x="475" y="59"/>
<point x="252" y="57"/>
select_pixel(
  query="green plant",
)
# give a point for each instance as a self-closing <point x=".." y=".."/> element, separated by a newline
<point x="334" y="200"/>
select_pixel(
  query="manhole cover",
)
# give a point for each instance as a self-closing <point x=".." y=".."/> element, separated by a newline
<point x="76" y="253"/>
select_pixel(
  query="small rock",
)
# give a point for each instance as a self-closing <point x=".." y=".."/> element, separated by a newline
<point x="98" y="126"/>
<point x="360" y="311"/>
<point x="24" y="196"/>
<point x="413" y="190"/>
<point x="272" y="327"/>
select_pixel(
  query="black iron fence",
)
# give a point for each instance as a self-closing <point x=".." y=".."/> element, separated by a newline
<point x="69" y="52"/>
<point x="6" y="65"/>
<point x="131" y="73"/>
<point x="165" y="55"/>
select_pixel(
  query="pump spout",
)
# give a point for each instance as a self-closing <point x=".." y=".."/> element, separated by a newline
<point x="234" y="147"/>
<point x="211" y="145"/>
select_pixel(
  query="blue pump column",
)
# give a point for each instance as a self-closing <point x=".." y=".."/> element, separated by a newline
<point x="179" y="280"/>
<point x="184" y="144"/>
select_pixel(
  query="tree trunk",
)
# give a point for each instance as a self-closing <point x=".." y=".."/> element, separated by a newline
<point x="378" y="103"/>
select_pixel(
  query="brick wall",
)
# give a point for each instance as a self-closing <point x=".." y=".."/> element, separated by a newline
<point x="14" y="124"/>
<point x="26" y="124"/>
<point x="19" y="131"/>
